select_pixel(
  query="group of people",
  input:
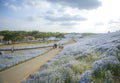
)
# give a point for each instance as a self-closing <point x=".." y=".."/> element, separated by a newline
<point x="59" y="45"/>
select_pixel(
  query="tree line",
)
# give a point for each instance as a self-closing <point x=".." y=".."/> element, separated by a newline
<point x="20" y="35"/>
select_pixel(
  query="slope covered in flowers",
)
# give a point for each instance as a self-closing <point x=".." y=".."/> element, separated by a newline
<point x="92" y="59"/>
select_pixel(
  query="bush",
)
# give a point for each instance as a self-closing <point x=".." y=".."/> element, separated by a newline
<point x="118" y="46"/>
<point x="80" y="67"/>
<point x="114" y="69"/>
<point x="106" y="74"/>
<point x="118" y="53"/>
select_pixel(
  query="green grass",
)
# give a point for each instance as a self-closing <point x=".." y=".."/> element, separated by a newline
<point x="80" y="67"/>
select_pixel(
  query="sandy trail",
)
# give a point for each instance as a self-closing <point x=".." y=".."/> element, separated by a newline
<point x="22" y="71"/>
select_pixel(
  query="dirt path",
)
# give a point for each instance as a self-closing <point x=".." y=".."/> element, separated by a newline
<point x="23" y="70"/>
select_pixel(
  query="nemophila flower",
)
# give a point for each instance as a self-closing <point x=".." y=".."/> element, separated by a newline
<point x="10" y="59"/>
<point x="104" y="61"/>
<point x="112" y="52"/>
<point x="85" y="77"/>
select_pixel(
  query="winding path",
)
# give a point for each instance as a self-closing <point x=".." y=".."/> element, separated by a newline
<point x="22" y="71"/>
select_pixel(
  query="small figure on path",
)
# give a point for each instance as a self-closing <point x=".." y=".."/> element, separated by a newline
<point x="55" y="46"/>
<point x="12" y="49"/>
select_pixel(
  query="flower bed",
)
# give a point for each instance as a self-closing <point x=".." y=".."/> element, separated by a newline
<point x="7" y="60"/>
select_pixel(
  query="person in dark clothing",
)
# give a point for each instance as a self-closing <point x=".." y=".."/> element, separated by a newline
<point x="55" y="46"/>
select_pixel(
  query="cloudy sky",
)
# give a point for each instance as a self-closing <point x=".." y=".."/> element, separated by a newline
<point x="97" y="16"/>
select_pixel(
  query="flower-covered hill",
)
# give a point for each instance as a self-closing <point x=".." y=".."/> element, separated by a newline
<point x="92" y="59"/>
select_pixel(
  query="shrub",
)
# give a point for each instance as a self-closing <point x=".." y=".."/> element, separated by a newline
<point x="114" y="69"/>
<point x="118" y="46"/>
<point x="105" y="74"/>
<point x="117" y="54"/>
<point x="80" y="67"/>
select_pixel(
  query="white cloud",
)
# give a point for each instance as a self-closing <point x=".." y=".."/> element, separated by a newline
<point x="27" y="4"/>
<point x="64" y="18"/>
<point x="13" y="7"/>
<point x="54" y="16"/>
<point x="36" y="4"/>
<point x="80" y="4"/>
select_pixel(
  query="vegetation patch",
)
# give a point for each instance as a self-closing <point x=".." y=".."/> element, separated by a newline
<point x="118" y="46"/>
<point x="80" y="67"/>
<point x="118" y="53"/>
<point x="24" y="60"/>
<point x="106" y="74"/>
<point x="87" y="34"/>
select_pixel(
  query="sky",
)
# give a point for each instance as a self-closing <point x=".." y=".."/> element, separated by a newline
<point x="96" y="16"/>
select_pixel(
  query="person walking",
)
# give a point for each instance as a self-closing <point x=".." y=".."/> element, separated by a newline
<point x="55" y="46"/>
<point x="12" y="49"/>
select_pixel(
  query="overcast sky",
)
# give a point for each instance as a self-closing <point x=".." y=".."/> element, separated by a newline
<point x="96" y="16"/>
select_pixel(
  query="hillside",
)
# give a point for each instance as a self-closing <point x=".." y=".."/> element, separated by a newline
<point x="92" y="59"/>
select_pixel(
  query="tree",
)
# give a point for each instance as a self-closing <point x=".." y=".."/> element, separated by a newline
<point x="20" y="35"/>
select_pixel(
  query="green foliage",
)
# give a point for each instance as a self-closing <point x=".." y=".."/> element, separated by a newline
<point x="84" y="62"/>
<point x="12" y="35"/>
<point x="20" y="35"/>
<point x="100" y="76"/>
<point x="87" y="34"/>
<point x="114" y="68"/>
<point x="118" y="46"/>
<point x="106" y="74"/>
<point x="59" y="35"/>
<point x="68" y="76"/>
<point x="117" y="53"/>
<point x="91" y="57"/>
<point x="80" y="67"/>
